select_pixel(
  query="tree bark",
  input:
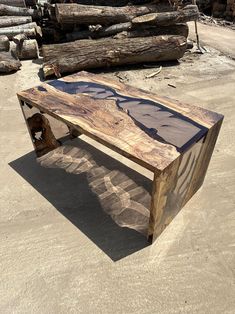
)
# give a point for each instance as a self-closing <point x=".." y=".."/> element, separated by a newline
<point x="29" y="29"/>
<point x="19" y="40"/>
<point x="84" y="14"/>
<point x="28" y="49"/>
<point x="6" y="21"/>
<point x="189" y="13"/>
<point x="8" y="63"/>
<point x="15" y="11"/>
<point x="113" y="3"/>
<point x="14" y="3"/>
<point x="177" y="29"/>
<point x="87" y="54"/>
<point x="124" y="30"/>
<point x="4" y="43"/>
<point x="103" y="32"/>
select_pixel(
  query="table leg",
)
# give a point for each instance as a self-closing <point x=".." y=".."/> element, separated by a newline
<point x="176" y="184"/>
<point x="160" y="215"/>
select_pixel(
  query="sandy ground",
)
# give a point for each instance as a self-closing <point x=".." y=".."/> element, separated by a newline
<point x="60" y="252"/>
<point x="220" y="38"/>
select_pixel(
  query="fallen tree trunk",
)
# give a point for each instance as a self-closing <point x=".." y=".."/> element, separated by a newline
<point x="14" y="3"/>
<point x="114" y="3"/>
<point x="188" y="13"/>
<point x="103" y="32"/>
<point x="84" y="14"/>
<point x="28" y="49"/>
<point x="123" y="30"/>
<point x="8" y="63"/>
<point x="177" y="29"/>
<point x="29" y="32"/>
<point x="4" y="43"/>
<point x="15" y="11"/>
<point x="29" y="29"/>
<point x="6" y="21"/>
<point x="87" y="54"/>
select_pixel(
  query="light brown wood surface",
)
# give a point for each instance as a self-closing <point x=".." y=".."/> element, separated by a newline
<point x="87" y="54"/>
<point x="173" y="140"/>
<point x="6" y="21"/>
<point x="125" y="130"/>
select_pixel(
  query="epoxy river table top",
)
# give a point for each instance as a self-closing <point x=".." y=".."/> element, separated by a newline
<point x="151" y="130"/>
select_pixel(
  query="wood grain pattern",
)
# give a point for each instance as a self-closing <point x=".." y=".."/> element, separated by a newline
<point x="8" y="62"/>
<point x="203" y="160"/>
<point x="14" y="3"/>
<point x="188" y="13"/>
<point x="170" y="189"/>
<point x="106" y="52"/>
<point x="16" y="11"/>
<point x="4" y="43"/>
<point x="137" y="124"/>
<point x="124" y="30"/>
<point x="85" y="14"/>
<point x="200" y="115"/>
<point x="6" y="21"/>
<point x="172" y="139"/>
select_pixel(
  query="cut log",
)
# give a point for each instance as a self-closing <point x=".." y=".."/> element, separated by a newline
<point x="177" y="29"/>
<point x="87" y="54"/>
<point x="6" y="21"/>
<point x="29" y="32"/>
<point x="8" y="10"/>
<point x="8" y="63"/>
<point x="14" y="3"/>
<point x="189" y="13"/>
<point x="103" y="32"/>
<point x="84" y="14"/>
<point x="123" y="30"/>
<point x="4" y="43"/>
<point x="113" y="3"/>
<point x="19" y="40"/>
<point x="29" y="29"/>
<point x="28" y="49"/>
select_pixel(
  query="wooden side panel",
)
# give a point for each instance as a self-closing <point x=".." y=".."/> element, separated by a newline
<point x="171" y="187"/>
<point x="203" y="161"/>
<point x="46" y="132"/>
<point x="163" y="184"/>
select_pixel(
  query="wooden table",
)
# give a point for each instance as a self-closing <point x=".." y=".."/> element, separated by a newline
<point x="173" y="140"/>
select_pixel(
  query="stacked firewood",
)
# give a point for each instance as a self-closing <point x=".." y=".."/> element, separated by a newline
<point x="96" y="33"/>
<point x="18" y="33"/>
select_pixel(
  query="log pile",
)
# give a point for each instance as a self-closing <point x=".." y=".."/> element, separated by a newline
<point x="87" y="34"/>
<point x="18" y="33"/>
<point x="92" y="34"/>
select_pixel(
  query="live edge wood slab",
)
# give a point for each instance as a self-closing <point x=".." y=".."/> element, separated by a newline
<point x="172" y="139"/>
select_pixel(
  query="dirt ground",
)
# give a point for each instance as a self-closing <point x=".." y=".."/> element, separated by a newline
<point x="61" y="253"/>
